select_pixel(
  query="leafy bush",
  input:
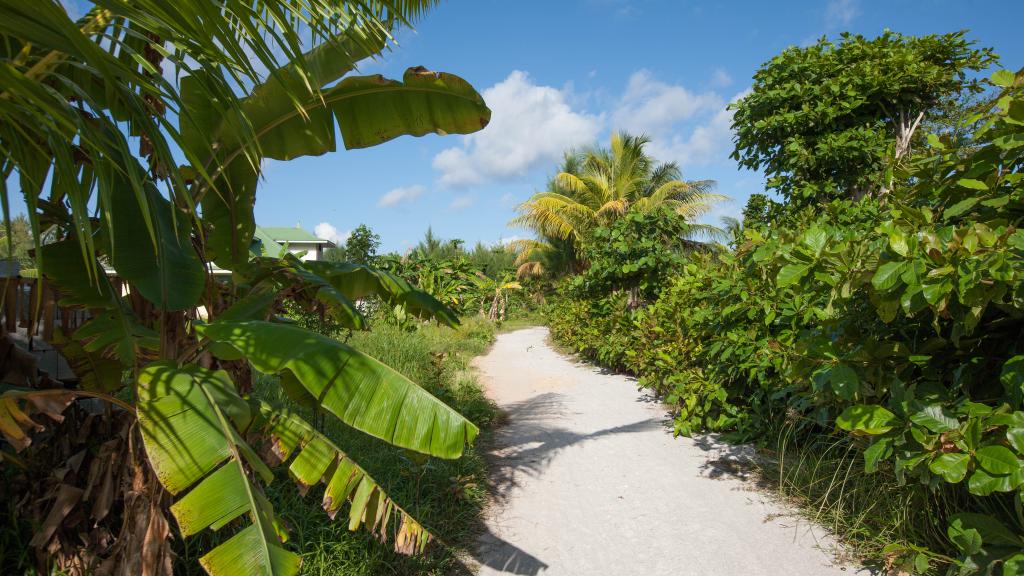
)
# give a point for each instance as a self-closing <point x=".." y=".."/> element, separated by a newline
<point x="890" y="328"/>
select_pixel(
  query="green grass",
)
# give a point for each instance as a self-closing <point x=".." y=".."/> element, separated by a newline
<point x="447" y="496"/>
<point x="823" y="475"/>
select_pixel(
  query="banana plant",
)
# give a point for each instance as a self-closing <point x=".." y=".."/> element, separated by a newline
<point x="133" y="241"/>
<point x="496" y="291"/>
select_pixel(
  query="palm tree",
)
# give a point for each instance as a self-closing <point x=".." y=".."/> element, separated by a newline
<point x="596" y="186"/>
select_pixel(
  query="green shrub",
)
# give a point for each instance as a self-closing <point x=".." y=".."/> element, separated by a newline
<point x="886" y="332"/>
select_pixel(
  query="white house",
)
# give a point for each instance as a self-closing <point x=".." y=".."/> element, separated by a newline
<point x="297" y="241"/>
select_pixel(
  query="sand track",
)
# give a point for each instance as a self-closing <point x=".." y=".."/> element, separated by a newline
<point x="589" y="481"/>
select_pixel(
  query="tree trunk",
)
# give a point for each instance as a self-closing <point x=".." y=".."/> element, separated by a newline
<point x="493" y="315"/>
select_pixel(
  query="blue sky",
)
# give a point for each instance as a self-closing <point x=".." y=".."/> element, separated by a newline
<point x="566" y="73"/>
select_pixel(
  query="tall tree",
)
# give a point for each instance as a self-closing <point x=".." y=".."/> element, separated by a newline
<point x="360" y="247"/>
<point x="596" y="186"/>
<point x="828" y="121"/>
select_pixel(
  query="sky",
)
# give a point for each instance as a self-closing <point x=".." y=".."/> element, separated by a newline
<point x="566" y="73"/>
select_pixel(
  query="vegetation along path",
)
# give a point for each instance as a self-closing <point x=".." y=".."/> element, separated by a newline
<point x="589" y="480"/>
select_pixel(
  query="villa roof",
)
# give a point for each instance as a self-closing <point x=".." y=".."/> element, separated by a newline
<point x="263" y="244"/>
<point x="292" y="235"/>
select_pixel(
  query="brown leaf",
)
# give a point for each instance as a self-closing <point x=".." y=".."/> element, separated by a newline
<point x="66" y="500"/>
<point x="156" y="557"/>
<point x="52" y="405"/>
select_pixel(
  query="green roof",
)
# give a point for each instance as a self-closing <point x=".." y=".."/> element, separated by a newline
<point x="290" y="235"/>
<point x="263" y="244"/>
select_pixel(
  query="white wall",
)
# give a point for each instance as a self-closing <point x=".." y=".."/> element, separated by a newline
<point x="313" y="251"/>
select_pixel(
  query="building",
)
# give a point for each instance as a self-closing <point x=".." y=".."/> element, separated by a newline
<point x="272" y="241"/>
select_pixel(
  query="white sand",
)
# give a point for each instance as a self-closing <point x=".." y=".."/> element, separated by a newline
<point x="589" y="480"/>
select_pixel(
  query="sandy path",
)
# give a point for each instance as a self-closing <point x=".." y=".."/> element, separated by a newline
<point x="589" y="481"/>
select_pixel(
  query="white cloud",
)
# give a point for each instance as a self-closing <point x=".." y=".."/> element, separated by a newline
<point x="511" y="239"/>
<point x="720" y="78"/>
<point x="841" y="12"/>
<point x="704" y="144"/>
<point x="650" y="106"/>
<point x="530" y="125"/>
<point x="327" y="231"/>
<point x="461" y="202"/>
<point x="401" y="195"/>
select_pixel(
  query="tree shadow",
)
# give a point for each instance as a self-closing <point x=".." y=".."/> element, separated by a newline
<point x="528" y="442"/>
<point x="727" y="460"/>
<point x="494" y="552"/>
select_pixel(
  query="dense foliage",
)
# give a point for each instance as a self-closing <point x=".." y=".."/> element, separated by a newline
<point x="140" y="183"/>
<point x="360" y="247"/>
<point x="595" y="187"/>
<point x="891" y="326"/>
<point x="824" y="121"/>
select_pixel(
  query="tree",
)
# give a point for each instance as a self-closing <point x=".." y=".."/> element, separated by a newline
<point x="182" y="345"/>
<point x="596" y="186"/>
<point x="16" y="241"/>
<point x="360" y="248"/>
<point x="637" y="253"/>
<point x="495" y="290"/>
<point x="827" y="121"/>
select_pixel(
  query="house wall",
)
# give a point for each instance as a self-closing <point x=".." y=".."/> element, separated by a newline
<point x="313" y="251"/>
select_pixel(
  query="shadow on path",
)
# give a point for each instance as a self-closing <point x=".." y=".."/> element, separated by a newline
<point x="493" y="552"/>
<point x="528" y="442"/>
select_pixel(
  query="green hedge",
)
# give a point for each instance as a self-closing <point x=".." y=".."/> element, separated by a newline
<point x="894" y="326"/>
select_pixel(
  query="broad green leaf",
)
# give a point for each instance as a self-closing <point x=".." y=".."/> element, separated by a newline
<point x="982" y="483"/>
<point x="62" y="263"/>
<point x="168" y="272"/>
<point x="960" y="207"/>
<point x="866" y="418"/>
<point x="990" y="531"/>
<point x="934" y="292"/>
<point x="879" y="450"/>
<point x="359" y="390"/>
<point x="191" y="421"/>
<point x="791" y="274"/>
<point x="972" y="184"/>
<point x="842" y="379"/>
<point x="952" y="467"/>
<point x="964" y="536"/>
<point x="372" y="109"/>
<point x="285" y="128"/>
<point x="1016" y="438"/>
<point x="997" y="460"/>
<point x="887" y="275"/>
<point x="227" y="213"/>
<point x="934" y="418"/>
<point x="318" y="460"/>
<point x="357" y="281"/>
<point x="1014" y="565"/>
<point x="815" y="239"/>
<point x="289" y="271"/>
<point x="1012" y="378"/>
<point x="1003" y="78"/>
<point x="95" y="371"/>
<point x="118" y="333"/>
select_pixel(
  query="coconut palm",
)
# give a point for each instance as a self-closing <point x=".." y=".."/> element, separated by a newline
<point x="598" y="185"/>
